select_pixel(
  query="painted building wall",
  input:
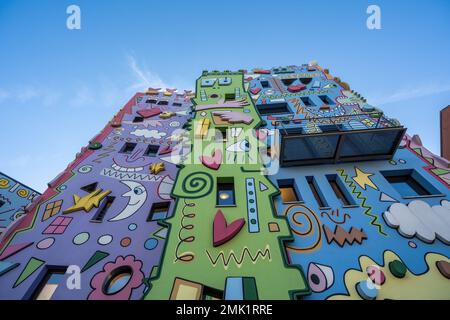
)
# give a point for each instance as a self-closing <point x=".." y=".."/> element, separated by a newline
<point x="384" y="234"/>
<point x="97" y="214"/>
<point x="14" y="197"/>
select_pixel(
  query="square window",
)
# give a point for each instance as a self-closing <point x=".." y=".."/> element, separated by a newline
<point x="177" y="104"/>
<point x="52" y="279"/>
<point x="230" y="97"/>
<point x="163" y="103"/>
<point x="151" y="101"/>
<point x="288" y="191"/>
<point x="138" y="119"/>
<point x="128" y="147"/>
<point x="307" y="102"/>
<point x="265" y="84"/>
<point x="159" y="211"/>
<point x="225" y="192"/>
<point x="409" y="184"/>
<point x="326" y="100"/>
<point x="152" y="151"/>
<point x="51" y="209"/>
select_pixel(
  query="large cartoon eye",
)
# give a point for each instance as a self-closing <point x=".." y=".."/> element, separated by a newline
<point x="138" y="190"/>
<point x="241" y="146"/>
<point x="320" y="277"/>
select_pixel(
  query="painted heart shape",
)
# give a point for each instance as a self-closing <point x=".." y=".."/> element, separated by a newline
<point x="214" y="161"/>
<point x="222" y="232"/>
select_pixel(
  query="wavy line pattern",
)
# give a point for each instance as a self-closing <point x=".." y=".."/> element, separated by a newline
<point x="368" y="209"/>
<point x="239" y="260"/>
<point x="186" y="256"/>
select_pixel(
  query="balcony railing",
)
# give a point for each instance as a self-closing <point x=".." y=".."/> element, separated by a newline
<point x="354" y="137"/>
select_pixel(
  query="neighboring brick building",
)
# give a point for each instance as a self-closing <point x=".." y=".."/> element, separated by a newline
<point x="445" y="132"/>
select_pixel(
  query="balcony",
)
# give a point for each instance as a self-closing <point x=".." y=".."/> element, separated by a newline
<point x="321" y="140"/>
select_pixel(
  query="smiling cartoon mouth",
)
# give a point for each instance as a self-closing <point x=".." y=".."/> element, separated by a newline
<point x="133" y="204"/>
<point x="124" y="169"/>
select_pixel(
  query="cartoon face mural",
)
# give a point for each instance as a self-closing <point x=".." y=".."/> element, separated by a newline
<point x="137" y="195"/>
<point x="99" y="207"/>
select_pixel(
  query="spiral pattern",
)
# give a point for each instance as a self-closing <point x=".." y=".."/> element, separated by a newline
<point x="306" y="226"/>
<point x="196" y="185"/>
<point x="23" y="193"/>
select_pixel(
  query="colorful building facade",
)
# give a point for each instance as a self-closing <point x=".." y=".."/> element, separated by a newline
<point x="277" y="183"/>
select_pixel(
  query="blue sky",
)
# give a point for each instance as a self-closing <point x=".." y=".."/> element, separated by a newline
<point x="59" y="87"/>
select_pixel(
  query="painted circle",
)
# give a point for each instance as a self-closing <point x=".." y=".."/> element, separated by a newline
<point x="132" y="226"/>
<point x="174" y="124"/>
<point x="23" y="193"/>
<point x="402" y="161"/>
<point x="3" y="182"/>
<point x="85" y="169"/>
<point x="247" y="110"/>
<point x="105" y="239"/>
<point x="151" y="243"/>
<point x="63" y="187"/>
<point x="412" y="244"/>
<point x="393" y="162"/>
<point x="81" y="238"/>
<point x="125" y="242"/>
<point x="45" y="243"/>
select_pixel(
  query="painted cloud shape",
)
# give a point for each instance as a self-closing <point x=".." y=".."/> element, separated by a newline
<point x="148" y="133"/>
<point x="420" y="220"/>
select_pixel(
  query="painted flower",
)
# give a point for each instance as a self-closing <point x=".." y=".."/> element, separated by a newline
<point x="117" y="280"/>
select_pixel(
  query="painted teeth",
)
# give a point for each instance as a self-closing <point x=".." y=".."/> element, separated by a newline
<point x="122" y="169"/>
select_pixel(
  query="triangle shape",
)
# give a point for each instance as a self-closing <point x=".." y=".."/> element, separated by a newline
<point x="32" y="265"/>
<point x="418" y="150"/>
<point x="262" y="186"/>
<point x="89" y="188"/>
<point x="94" y="259"/>
<point x="161" y="233"/>
<point x="386" y="198"/>
<point x="13" y="249"/>
<point x="6" y="266"/>
<point x="430" y="160"/>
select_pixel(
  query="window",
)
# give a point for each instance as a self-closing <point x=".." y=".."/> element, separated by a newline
<point x="225" y="192"/>
<point x="341" y="193"/>
<point x="305" y="81"/>
<point x="163" y="103"/>
<point x="152" y="151"/>
<point x="151" y="101"/>
<point x="2" y="203"/>
<point x="273" y="108"/>
<point x="117" y="280"/>
<point x="138" y="119"/>
<point x="288" y="82"/>
<point x="209" y="293"/>
<point x="326" y="100"/>
<point x="288" y="191"/>
<point x="58" y="226"/>
<point x="316" y="192"/>
<point x="53" y="278"/>
<point x="128" y="147"/>
<point x="265" y="84"/>
<point x="409" y="183"/>
<point x="230" y="97"/>
<point x="307" y="101"/>
<point x="158" y="211"/>
<point x="101" y="212"/>
<point x="177" y="104"/>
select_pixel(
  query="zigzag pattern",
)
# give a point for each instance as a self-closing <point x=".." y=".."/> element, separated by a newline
<point x="359" y="196"/>
<point x="239" y="260"/>
<point x="340" y="236"/>
<point x="106" y="152"/>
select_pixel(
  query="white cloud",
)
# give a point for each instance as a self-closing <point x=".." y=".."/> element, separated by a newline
<point x="148" y="133"/>
<point x="144" y="77"/>
<point x="406" y="94"/>
<point x="420" y="220"/>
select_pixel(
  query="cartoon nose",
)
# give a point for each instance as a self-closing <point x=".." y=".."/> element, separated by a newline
<point x="136" y="155"/>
